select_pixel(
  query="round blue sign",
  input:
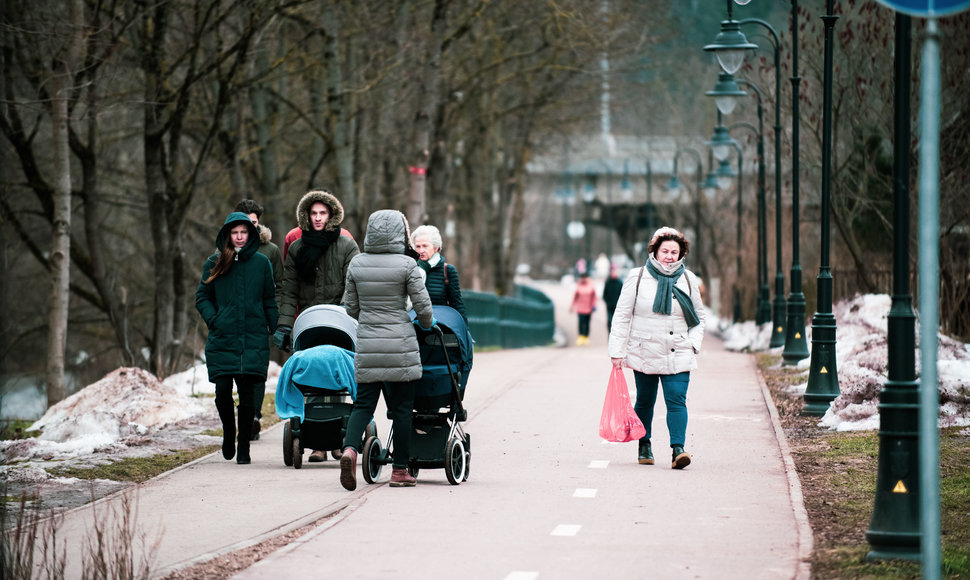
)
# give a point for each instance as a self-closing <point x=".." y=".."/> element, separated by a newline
<point x="927" y="8"/>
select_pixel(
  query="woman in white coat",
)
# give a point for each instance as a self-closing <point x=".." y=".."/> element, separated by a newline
<point x="657" y="331"/>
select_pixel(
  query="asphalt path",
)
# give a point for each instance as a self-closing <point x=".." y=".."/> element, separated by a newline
<point x="546" y="497"/>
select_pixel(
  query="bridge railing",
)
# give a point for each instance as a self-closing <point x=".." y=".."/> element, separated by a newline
<point x="526" y="319"/>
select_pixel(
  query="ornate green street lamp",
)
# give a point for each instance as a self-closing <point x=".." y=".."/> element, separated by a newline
<point x="725" y="95"/>
<point x="730" y="44"/>
<point x="796" y="347"/>
<point x="778" y="306"/>
<point x="762" y="311"/>
<point x="675" y="186"/>
<point x="823" y="377"/>
<point x="720" y="141"/>
<point x="894" y="530"/>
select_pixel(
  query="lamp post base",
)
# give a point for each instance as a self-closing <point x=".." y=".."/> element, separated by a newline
<point x="764" y="305"/>
<point x="796" y="346"/>
<point x="778" y="313"/>
<point x="823" y="377"/>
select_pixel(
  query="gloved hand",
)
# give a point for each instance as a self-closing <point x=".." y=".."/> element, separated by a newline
<point x="281" y="338"/>
<point x="434" y="323"/>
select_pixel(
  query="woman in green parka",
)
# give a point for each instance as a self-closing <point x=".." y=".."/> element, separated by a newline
<point x="236" y="299"/>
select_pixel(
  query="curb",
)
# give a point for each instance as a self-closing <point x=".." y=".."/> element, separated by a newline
<point x="806" y="538"/>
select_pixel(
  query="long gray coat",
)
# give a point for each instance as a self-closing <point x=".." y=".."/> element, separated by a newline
<point x="379" y="283"/>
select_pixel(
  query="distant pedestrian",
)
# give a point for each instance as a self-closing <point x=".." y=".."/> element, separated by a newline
<point x="657" y="332"/>
<point x="442" y="278"/>
<point x="611" y="294"/>
<point x="271" y="251"/>
<point x="583" y="304"/>
<point x="315" y="268"/>
<point x="236" y="299"/>
<point x="379" y="283"/>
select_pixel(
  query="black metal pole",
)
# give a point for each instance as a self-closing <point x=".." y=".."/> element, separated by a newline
<point x="737" y="280"/>
<point x="779" y="305"/>
<point x="823" y="376"/>
<point x="894" y="530"/>
<point x="796" y="347"/>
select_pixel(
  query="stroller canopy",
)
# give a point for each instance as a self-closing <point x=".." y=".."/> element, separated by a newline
<point x="325" y="324"/>
<point x="452" y="322"/>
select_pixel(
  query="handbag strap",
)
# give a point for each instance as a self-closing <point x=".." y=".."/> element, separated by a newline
<point x="635" y="293"/>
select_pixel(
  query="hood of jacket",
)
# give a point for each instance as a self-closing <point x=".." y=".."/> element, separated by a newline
<point x="252" y="244"/>
<point x="387" y="232"/>
<point x="265" y="234"/>
<point x="326" y="198"/>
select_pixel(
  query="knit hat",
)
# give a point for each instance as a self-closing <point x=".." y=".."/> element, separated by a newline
<point x="667" y="233"/>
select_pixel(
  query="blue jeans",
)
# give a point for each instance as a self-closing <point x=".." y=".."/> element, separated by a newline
<point x="675" y="397"/>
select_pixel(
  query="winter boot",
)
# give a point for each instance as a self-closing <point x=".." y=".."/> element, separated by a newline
<point x="228" y="429"/>
<point x="246" y="415"/>
<point x="401" y="478"/>
<point x="679" y="458"/>
<point x="348" y="469"/>
<point x="645" y="453"/>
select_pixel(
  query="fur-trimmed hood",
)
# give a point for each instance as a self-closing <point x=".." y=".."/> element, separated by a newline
<point x="328" y="199"/>
<point x="265" y="234"/>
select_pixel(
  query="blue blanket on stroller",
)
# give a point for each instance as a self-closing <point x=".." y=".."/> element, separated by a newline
<point x="322" y="367"/>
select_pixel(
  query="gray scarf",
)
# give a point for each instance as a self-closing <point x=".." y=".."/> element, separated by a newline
<point x="667" y="288"/>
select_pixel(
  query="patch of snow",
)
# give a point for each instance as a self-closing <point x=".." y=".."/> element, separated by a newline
<point x="862" y="354"/>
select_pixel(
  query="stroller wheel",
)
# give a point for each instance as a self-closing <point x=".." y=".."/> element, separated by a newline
<point x="455" y="464"/>
<point x="287" y="445"/>
<point x="297" y="453"/>
<point x="372" y="460"/>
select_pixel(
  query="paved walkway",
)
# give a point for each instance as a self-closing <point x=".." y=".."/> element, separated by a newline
<point x="546" y="498"/>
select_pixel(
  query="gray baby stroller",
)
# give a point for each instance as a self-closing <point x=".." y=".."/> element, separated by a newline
<point x="438" y="439"/>
<point x="316" y="385"/>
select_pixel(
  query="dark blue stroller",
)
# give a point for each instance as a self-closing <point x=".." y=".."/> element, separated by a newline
<point x="317" y="385"/>
<point x="437" y="437"/>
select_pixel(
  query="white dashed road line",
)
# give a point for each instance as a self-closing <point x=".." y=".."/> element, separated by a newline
<point x="585" y="492"/>
<point x="566" y="530"/>
<point x="598" y="464"/>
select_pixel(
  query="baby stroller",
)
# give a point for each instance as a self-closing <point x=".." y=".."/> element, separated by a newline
<point x="437" y="437"/>
<point x="316" y="385"/>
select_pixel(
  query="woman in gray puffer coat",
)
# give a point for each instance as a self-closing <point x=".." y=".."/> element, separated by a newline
<point x="379" y="283"/>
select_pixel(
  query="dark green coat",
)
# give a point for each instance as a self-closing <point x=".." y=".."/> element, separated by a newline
<point x="238" y="307"/>
<point x="442" y="291"/>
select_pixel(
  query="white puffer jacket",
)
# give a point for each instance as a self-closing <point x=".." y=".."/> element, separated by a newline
<point x="379" y="283"/>
<point x="653" y="343"/>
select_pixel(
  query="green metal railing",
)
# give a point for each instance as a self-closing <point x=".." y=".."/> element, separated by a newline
<point x="527" y="319"/>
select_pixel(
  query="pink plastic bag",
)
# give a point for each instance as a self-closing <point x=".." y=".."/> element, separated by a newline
<point x="619" y="422"/>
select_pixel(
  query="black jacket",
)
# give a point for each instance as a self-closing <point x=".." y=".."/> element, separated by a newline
<point x="442" y="292"/>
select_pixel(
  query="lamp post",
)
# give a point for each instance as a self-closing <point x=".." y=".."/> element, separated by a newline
<point x="762" y="312"/>
<point x="796" y="347"/>
<point x="894" y="530"/>
<point x="674" y="186"/>
<point x="725" y="95"/>
<point x="730" y="44"/>
<point x="589" y="196"/>
<point x="823" y="377"/>
<point x="779" y="304"/>
<point x="720" y="143"/>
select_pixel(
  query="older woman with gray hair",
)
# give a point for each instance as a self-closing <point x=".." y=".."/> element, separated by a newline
<point x="442" y="278"/>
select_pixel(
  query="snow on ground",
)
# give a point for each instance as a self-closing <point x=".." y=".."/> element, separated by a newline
<point x="862" y="353"/>
<point x="128" y="413"/>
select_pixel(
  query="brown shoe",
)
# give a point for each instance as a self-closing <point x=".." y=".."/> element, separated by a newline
<point x="348" y="469"/>
<point x="401" y="478"/>
<point x="317" y="456"/>
<point x="336" y="453"/>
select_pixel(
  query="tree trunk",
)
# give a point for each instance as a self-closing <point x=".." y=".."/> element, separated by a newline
<point x="338" y="108"/>
<point x="427" y="103"/>
<point x="60" y="259"/>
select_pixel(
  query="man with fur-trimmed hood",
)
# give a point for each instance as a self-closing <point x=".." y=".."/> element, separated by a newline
<point x="316" y="264"/>
<point x="315" y="269"/>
